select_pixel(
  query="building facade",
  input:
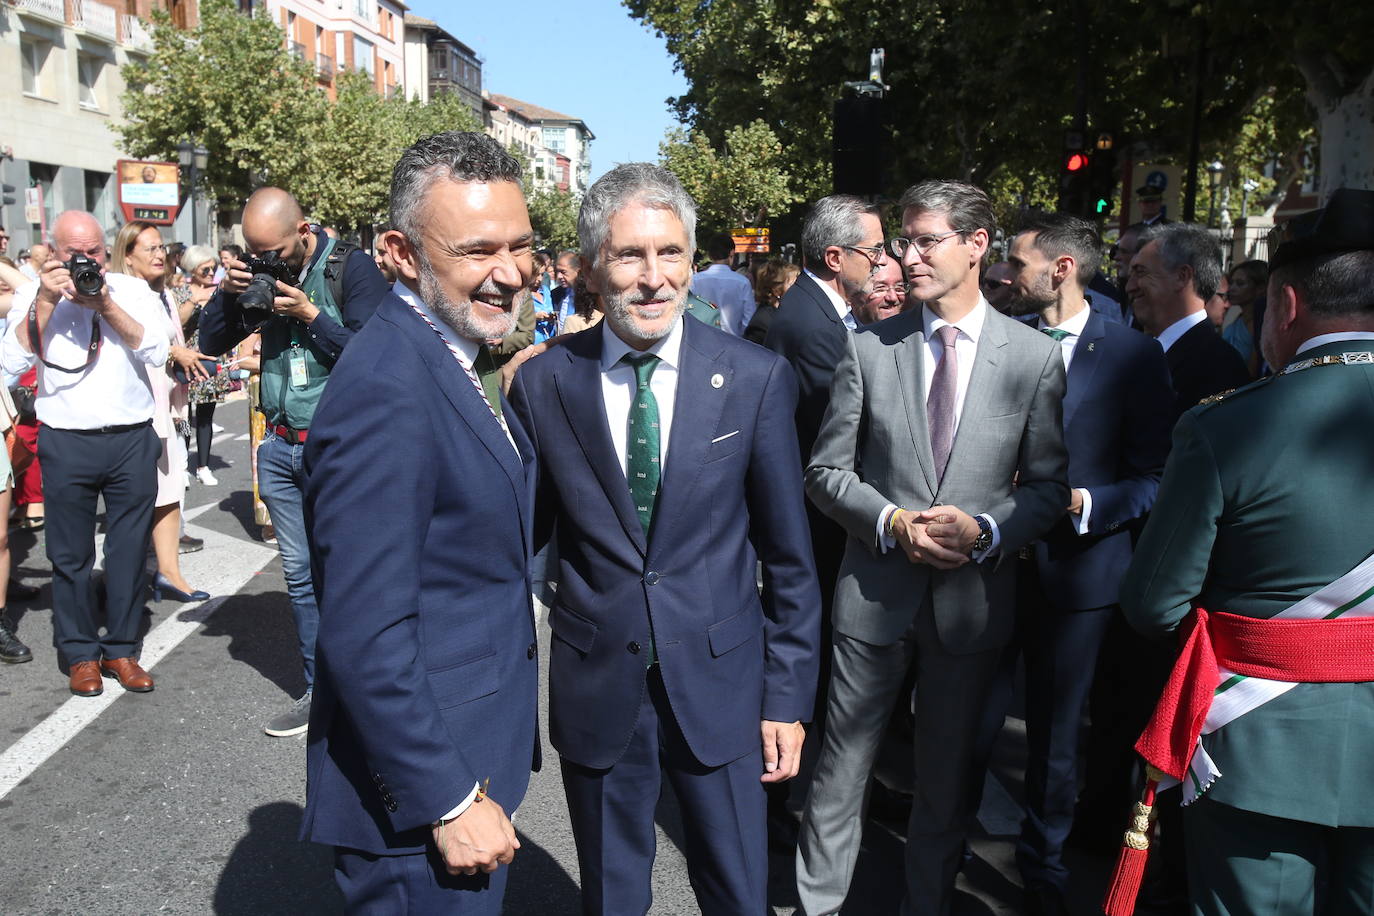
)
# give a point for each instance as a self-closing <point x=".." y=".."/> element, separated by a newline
<point x="62" y="60"/>
<point x="334" y="35"/>
<point x="436" y="63"/>
<point x="559" y="144"/>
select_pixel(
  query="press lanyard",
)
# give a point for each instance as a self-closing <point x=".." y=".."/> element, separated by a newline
<point x="36" y="341"/>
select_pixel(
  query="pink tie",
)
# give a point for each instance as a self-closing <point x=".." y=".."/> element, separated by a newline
<point x="940" y="401"/>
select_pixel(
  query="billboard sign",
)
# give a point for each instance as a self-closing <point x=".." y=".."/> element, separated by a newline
<point x="149" y="191"/>
<point x="751" y="240"/>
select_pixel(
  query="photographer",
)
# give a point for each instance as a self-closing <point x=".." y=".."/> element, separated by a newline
<point x="97" y="339"/>
<point x="308" y="294"/>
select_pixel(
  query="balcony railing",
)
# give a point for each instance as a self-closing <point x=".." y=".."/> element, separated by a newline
<point x="96" y="18"/>
<point x="48" y="9"/>
<point x="134" y="33"/>
<point x="296" y="49"/>
<point x="324" y="67"/>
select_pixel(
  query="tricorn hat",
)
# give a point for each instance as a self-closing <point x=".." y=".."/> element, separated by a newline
<point x="1346" y="223"/>
<point x="1149" y="192"/>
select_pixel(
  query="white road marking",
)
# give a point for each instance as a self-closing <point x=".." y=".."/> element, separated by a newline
<point x="244" y="438"/>
<point x="222" y="568"/>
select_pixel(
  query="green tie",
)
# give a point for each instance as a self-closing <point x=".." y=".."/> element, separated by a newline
<point x="1057" y="333"/>
<point x="642" y="468"/>
<point x="490" y="377"/>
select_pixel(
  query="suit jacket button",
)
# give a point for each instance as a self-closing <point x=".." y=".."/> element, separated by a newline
<point x="529" y="653"/>
<point x="651" y="578"/>
<point x="634" y="648"/>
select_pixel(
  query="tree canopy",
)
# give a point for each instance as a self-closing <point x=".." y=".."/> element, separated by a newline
<point x="738" y="185"/>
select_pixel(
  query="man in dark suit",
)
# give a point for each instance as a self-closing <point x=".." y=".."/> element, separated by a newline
<point x="1177" y="269"/>
<point x="1118" y="410"/>
<point x="1242" y="532"/>
<point x="420" y="502"/>
<point x="943" y="437"/>
<point x="668" y="466"/>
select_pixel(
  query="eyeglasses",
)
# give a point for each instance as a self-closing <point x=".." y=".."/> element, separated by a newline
<point x="922" y="243"/>
<point x="882" y="289"/>
<point x="874" y="253"/>
<point x="153" y="249"/>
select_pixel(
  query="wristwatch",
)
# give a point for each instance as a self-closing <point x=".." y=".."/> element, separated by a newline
<point x="984" y="539"/>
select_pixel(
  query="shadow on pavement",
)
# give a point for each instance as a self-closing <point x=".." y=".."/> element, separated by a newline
<point x="262" y="635"/>
<point x="538" y="884"/>
<point x="239" y="504"/>
<point x="270" y="871"/>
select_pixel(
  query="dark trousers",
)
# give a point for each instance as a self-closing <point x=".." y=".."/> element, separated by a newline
<point x="414" y="885"/>
<point x="1060" y="654"/>
<point x="1242" y="863"/>
<point x="612" y="813"/>
<point x="78" y="469"/>
<point x="204" y="419"/>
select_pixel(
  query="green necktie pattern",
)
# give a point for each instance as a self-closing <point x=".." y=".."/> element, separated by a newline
<point x="1057" y="333"/>
<point x="490" y="377"/>
<point x="642" y="468"/>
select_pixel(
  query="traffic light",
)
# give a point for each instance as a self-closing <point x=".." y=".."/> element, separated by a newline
<point x="1103" y="182"/>
<point x="6" y="194"/>
<point x="1074" y="182"/>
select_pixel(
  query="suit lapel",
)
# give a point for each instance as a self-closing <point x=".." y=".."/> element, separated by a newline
<point x="980" y="384"/>
<point x="910" y="356"/>
<point x="697" y="407"/>
<point x="820" y="299"/>
<point x="1086" y="355"/>
<point x="579" y="392"/>
<point x="458" y="390"/>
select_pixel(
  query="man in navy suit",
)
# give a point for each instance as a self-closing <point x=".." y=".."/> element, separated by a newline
<point x="668" y="467"/>
<point x="1117" y="419"/>
<point x="420" y="504"/>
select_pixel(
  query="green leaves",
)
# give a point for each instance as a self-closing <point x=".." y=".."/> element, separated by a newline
<point x="737" y="185"/>
<point x="553" y="214"/>
<point x="231" y="85"/>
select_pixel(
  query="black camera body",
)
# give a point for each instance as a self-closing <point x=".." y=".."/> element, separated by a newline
<point x="86" y="275"/>
<point x="256" y="300"/>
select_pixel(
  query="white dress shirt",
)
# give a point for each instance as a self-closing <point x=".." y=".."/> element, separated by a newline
<point x="1322" y="340"/>
<point x="1074" y="327"/>
<point x="618" y="387"/>
<point x="115" y="389"/>
<point x="1173" y="332"/>
<point x="965" y="350"/>
<point x="837" y="301"/>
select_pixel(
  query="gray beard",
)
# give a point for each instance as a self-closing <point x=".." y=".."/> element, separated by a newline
<point x="460" y="317"/>
<point x="618" y="313"/>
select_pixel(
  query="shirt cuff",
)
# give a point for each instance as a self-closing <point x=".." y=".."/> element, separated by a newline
<point x="464" y="805"/>
<point x="1080" y="522"/>
<point x="885" y="541"/>
<point x="981" y="555"/>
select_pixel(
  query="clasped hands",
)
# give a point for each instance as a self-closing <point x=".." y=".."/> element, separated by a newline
<point x="482" y="838"/>
<point x="941" y="536"/>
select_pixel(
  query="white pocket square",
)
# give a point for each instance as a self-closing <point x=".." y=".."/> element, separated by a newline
<point x="724" y="437"/>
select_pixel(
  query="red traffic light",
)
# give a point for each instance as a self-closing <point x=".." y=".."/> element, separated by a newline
<point x="1077" y="162"/>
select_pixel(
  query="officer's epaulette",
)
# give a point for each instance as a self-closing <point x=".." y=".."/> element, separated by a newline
<point x="1230" y="393"/>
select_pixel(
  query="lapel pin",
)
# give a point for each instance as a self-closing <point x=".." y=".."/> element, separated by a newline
<point x="1091" y="345"/>
<point x="717" y="380"/>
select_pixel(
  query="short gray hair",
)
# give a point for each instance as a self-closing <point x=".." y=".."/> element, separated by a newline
<point x="633" y="182"/>
<point x="965" y="207"/>
<point x="833" y="222"/>
<point x="1334" y="285"/>
<point x="195" y="256"/>
<point x="1188" y="244"/>
<point x="454" y="155"/>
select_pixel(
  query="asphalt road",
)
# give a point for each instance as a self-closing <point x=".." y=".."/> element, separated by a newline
<point x="176" y="802"/>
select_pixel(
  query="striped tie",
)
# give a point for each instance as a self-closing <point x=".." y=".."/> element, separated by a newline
<point x="468" y="371"/>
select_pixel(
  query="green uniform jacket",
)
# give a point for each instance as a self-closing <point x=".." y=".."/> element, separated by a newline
<point x="1267" y="497"/>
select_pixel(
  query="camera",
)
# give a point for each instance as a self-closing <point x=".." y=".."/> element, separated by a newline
<point x="86" y="275"/>
<point x="256" y="300"/>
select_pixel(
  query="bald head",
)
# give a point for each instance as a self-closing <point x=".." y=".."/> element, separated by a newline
<point x="274" y="221"/>
<point x="77" y="232"/>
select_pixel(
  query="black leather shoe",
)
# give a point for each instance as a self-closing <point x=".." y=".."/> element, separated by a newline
<point x="188" y="544"/>
<point x="18" y="591"/>
<point x="1045" y="900"/>
<point x="11" y="649"/>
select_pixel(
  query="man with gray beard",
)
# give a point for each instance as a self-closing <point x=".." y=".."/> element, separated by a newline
<point x="666" y="661"/>
<point x="420" y="508"/>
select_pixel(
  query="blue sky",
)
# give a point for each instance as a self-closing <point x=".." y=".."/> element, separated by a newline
<point x="588" y="59"/>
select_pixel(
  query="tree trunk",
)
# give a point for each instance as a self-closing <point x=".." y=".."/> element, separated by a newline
<point x="1345" y="112"/>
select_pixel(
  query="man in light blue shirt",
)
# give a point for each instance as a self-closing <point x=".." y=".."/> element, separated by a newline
<point x="728" y="291"/>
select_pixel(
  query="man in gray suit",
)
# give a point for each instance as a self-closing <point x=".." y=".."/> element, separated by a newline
<point x="943" y="438"/>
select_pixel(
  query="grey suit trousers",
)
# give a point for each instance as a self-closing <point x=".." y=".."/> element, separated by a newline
<point x="951" y="691"/>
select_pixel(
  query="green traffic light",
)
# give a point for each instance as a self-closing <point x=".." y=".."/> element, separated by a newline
<point x="1102" y="205"/>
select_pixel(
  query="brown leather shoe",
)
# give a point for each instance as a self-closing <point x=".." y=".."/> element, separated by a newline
<point x="131" y="676"/>
<point x="85" y="680"/>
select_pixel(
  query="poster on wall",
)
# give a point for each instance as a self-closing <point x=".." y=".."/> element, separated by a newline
<point x="149" y="191"/>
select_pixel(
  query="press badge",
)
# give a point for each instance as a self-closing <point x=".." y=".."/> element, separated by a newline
<point x="300" y="375"/>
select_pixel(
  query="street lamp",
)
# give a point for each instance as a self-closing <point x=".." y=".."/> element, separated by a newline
<point x="193" y="158"/>
<point x="1214" y="171"/>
